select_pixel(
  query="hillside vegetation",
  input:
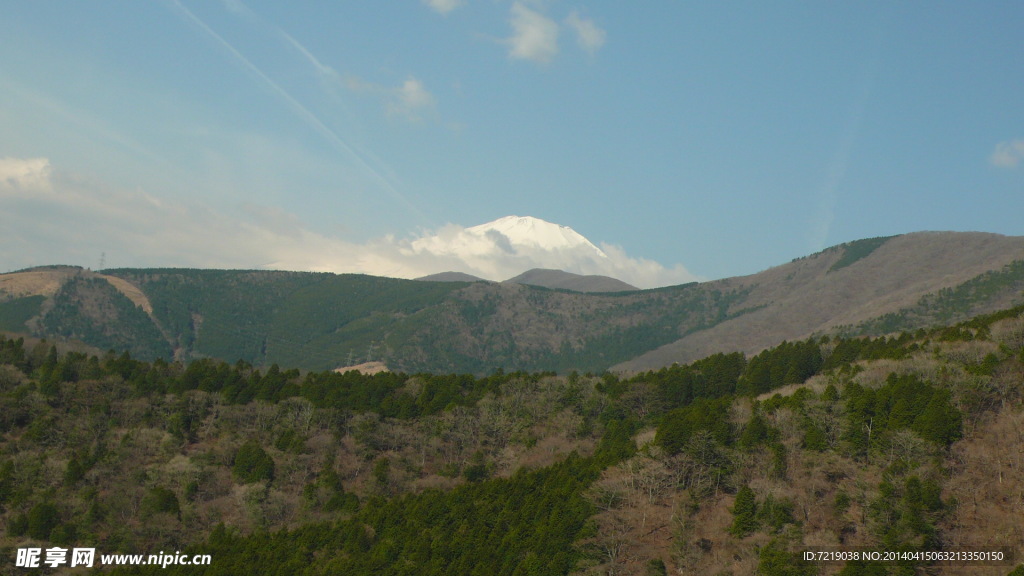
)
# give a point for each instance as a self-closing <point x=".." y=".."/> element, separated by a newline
<point x="727" y="465"/>
<point x="322" y="321"/>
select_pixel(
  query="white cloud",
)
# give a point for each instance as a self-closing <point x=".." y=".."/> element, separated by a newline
<point x="1008" y="154"/>
<point x="535" y="36"/>
<point x="493" y="255"/>
<point x="588" y="35"/>
<point x="443" y="6"/>
<point x="24" y="174"/>
<point x="641" y="272"/>
<point x="409" y="100"/>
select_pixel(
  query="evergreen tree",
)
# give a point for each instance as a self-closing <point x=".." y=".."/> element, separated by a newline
<point x="253" y="464"/>
<point x="755" y="433"/>
<point x="42" y="519"/>
<point x="940" y="421"/>
<point x="744" y="513"/>
<point x="775" y="560"/>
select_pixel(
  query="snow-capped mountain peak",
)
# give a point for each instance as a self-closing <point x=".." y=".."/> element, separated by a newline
<point x="509" y="246"/>
<point x="527" y="231"/>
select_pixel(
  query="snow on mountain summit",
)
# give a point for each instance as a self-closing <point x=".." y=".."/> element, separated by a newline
<point x="536" y="233"/>
<point x="509" y="246"/>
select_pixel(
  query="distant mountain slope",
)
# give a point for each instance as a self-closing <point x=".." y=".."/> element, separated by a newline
<point x="848" y="287"/>
<point x="569" y="281"/>
<point x="324" y="321"/>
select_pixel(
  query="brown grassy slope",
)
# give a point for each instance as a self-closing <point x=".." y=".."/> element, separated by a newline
<point x="46" y="282"/>
<point x="35" y="282"/>
<point x="804" y="297"/>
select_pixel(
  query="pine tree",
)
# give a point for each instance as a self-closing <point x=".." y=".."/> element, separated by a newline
<point x="744" y="513"/>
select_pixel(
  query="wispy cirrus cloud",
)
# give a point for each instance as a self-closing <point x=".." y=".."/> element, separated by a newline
<point x="323" y="71"/>
<point x="1008" y="154"/>
<point x="297" y="107"/>
<point x="409" y="100"/>
<point x="239" y="8"/>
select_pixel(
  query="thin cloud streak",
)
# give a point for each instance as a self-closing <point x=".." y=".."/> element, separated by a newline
<point x="322" y="69"/>
<point x="298" y="109"/>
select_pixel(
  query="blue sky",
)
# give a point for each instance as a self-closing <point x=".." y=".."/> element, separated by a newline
<point x="698" y="140"/>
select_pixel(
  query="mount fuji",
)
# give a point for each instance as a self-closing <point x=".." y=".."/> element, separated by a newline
<point x="533" y="250"/>
<point x="527" y="232"/>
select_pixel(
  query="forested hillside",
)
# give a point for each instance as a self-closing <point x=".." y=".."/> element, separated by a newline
<point x="730" y="464"/>
<point x="323" y="321"/>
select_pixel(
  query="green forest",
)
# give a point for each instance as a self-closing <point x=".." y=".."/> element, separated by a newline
<point x="727" y="465"/>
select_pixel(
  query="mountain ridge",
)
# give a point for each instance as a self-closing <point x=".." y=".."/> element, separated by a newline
<point x="546" y="278"/>
<point x="323" y="321"/>
<point x="898" y="280"/>
<point x="559" y="279"/>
